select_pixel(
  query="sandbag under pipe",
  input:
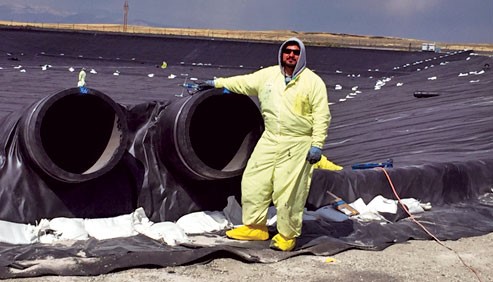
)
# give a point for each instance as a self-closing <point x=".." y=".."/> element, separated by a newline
<point x="74" y="137"/>
<point x="210" y="135"/>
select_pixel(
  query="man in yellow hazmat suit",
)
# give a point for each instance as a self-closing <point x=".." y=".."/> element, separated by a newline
<point x="294" y="104"/>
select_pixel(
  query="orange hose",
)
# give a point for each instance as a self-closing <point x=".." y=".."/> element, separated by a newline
<point x="423" y="227"/>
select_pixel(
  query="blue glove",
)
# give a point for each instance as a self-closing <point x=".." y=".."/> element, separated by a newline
<point x="208" y="84"/>
<point x="314" y="155"/>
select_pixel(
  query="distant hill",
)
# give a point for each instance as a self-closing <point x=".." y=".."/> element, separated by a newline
<point x="310" y="38"/>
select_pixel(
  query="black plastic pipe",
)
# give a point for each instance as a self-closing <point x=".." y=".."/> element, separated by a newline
<point x="74" y="137"/>
<point x="210" y="135"/>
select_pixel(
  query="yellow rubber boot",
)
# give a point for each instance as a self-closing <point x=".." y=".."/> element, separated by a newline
<point x="249" y="233"/>
<point x="280" y="243"/>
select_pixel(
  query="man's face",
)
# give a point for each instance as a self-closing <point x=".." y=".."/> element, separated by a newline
<point x="290" y="55"/>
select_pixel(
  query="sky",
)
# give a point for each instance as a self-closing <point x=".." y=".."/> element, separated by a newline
<point x="453" y="21"/>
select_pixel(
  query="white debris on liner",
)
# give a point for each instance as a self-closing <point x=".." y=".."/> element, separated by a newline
<point x="365" y="214"/>
<point x="476" y="72"/>
<point x="22" y="70"/>
<point x="381" y="83"/>
<point x="463" y="74"/>
<point x="18" y="67"/>
<point x="71" y="69"/>
<point x="171" y="76"/>
<point x="432" y="78"/>
<point x="474" y="81"/>
<point x="117" y="72"/>
<point x="193" y="78"/>
<point x="93" y="71"/>
<point x="17" y="233"/>
<point x="342" y="100"/>
<point x="380" y="204"/>
<point x="150" y="75"/>
<point x="399" y="84"/>
<point x="338" y="87"/>
<point x="113" y="227"/>
<point x="202" y="222"/>
<point x="167" y="231"/>
<point x="354" y="88"/>
<point x="69" y="228"/>
<point x="338" y="71"/>
<point x="59" y="229"/>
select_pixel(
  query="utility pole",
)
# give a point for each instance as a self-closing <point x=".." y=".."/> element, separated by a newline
<point x="125" y="15"/>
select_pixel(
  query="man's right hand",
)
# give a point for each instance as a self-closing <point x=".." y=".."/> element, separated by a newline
<point x="208" y="84"/>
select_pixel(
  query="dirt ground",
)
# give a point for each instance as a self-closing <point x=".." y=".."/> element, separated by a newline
<point x="410" y="261"/>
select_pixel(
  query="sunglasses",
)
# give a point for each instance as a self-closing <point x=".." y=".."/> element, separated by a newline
<point x="288" y="51"/>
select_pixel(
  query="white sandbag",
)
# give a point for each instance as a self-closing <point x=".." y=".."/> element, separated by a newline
<point x="69" y="228"/>
<point x="413" y="206"/>
<point x="112" y="227"/>
<point x="171" y="233"/>
<point x="202" y="222"/>
<point x="381" y="204"/>
<point x="17" y="233"/>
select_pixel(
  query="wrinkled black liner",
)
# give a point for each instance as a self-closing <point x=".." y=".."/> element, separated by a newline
<point x="441" y="147"/>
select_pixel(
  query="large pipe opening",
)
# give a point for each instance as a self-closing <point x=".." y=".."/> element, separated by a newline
<point x="74" y="137"/>
<point x="211" y="135"/>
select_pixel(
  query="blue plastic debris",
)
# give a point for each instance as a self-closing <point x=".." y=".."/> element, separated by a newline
<point x="83" y="90"/>
<point x="387" y="164"/>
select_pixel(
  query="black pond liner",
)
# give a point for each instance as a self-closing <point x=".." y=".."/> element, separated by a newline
<point x="441" y="148"/>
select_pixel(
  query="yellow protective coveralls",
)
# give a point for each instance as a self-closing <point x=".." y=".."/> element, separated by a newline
<point x="296" y="116"/>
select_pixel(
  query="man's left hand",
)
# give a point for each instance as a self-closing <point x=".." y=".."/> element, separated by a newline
<point x="314" y="155"/>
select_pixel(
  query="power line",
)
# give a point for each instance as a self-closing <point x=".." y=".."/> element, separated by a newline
<point x="125" y="15"/>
